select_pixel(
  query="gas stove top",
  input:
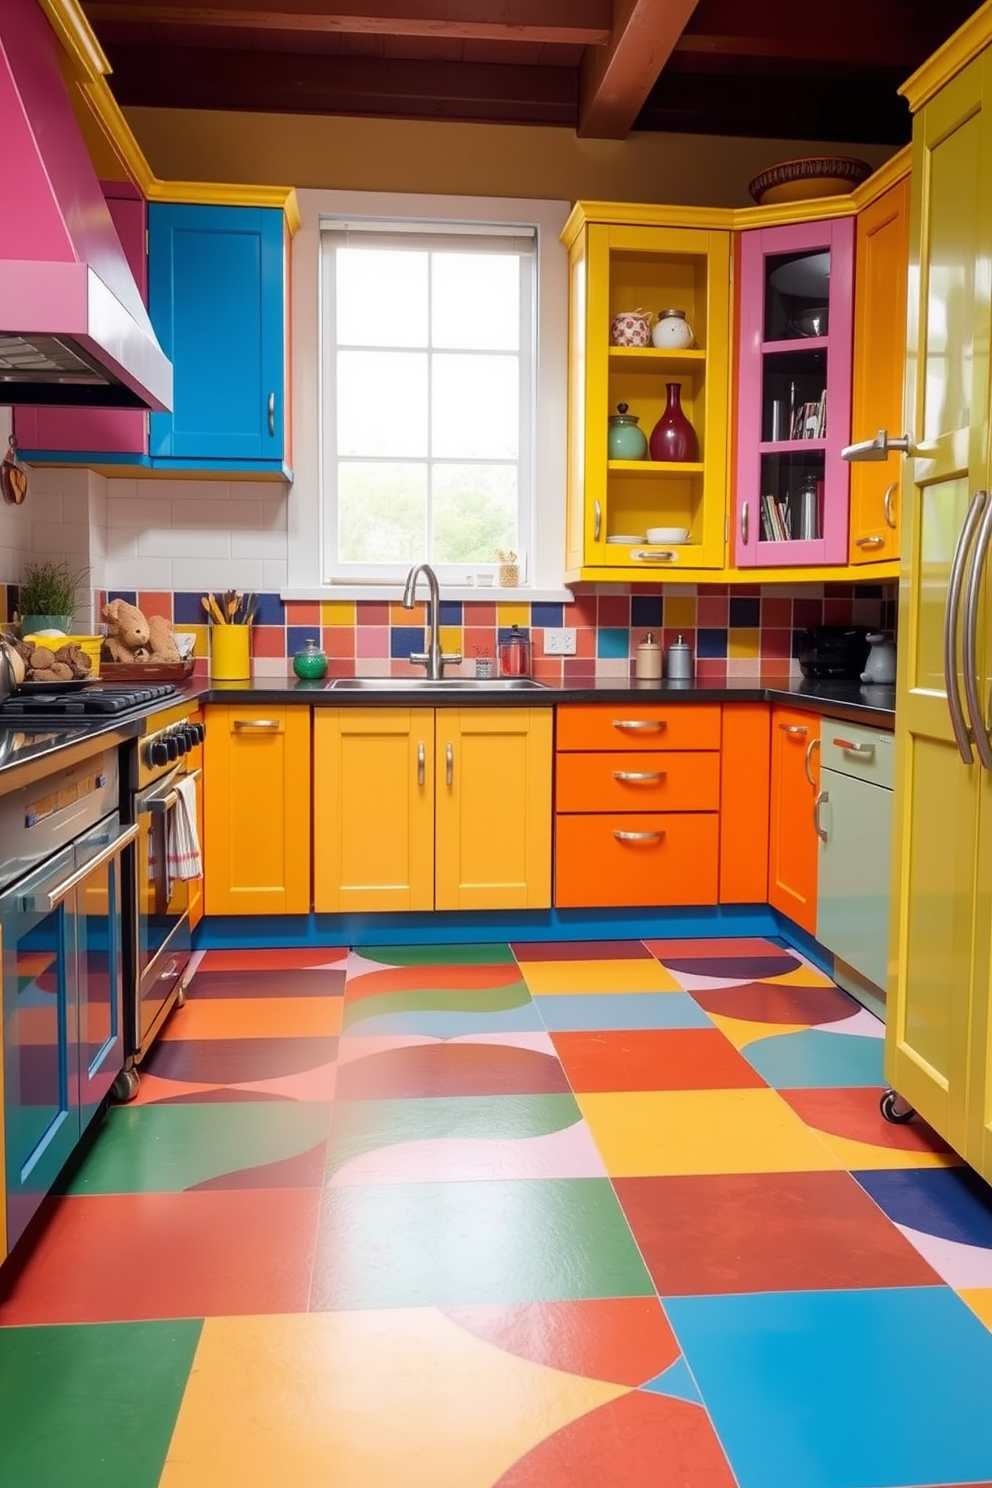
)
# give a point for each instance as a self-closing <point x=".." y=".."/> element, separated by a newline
<point x="101" y="701"/>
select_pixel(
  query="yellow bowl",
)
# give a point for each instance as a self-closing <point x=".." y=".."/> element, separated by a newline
<point x="89" y="643"/>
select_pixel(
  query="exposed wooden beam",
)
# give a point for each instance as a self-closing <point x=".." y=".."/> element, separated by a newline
<point x="568" y="22"/>
<point x="290" y="82"/>
<point x="615" y="81"/>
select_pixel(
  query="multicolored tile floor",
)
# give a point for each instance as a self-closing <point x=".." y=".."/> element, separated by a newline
<point x="581" y="1215"/>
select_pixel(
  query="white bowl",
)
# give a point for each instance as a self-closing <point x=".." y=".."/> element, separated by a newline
<point x="668" y="534"/>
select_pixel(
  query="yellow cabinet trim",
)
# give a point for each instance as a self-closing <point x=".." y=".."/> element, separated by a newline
<point x="947" y="61"/>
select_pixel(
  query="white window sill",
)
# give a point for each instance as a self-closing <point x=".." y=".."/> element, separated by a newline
<point x="466" y="593"/>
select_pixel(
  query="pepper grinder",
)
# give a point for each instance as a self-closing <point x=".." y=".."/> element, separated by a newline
<point x="647" y="662"/>
<point x="679" y="666"/>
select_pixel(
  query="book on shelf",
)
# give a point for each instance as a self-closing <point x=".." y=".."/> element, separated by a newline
<point x="809" y="420"/>
<point x="776" y="520"/>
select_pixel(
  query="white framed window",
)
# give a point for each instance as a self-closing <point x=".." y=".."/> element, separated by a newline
<point x="429" y="391"/>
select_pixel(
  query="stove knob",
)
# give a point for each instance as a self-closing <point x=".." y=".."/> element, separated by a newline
<point x="182" y="739"/>
<point x="158" y="752"/>
<point x="172" y="746"/>
<point x="200" y="730"/>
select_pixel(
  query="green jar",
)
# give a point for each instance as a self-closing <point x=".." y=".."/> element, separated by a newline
<point x="310" y="663"/>
<point x="625" y="440"/>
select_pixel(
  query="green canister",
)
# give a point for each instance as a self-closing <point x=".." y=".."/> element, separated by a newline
<point x="310" y="664"/>
<point x="625" y="440"/>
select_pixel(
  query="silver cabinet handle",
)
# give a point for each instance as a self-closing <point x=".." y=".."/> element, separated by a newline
<point x="655" y="555"/>
<point x="822" y="796"/>
<point x="272" y="413"/>
<point x="640" y="776"/>
<point x="744" y="522"/>
<point x="799" y="729"/>
<point x="159" y="805"/>
<point x="44" y="902"/>
<point x="958" y="562"/>
<point x="638" y="836"/>
<point x="808" y="761"/>
<point x="869" y="542"/>
<point x="890" y="491"/>
<point x="597" y="520"/>
<point x="258" y="723"/>
<point x="639" y="723"/>
<point x="449" y="764"/>
<point x="421" y="762"/>
<point x="867" y="750"/>
<point x="970" y="649"/>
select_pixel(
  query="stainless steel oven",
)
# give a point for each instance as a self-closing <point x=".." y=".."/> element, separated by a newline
<point x="162" y="935"/>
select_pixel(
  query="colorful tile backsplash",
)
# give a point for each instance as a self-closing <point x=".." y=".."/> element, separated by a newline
<point x="735" y="629"/>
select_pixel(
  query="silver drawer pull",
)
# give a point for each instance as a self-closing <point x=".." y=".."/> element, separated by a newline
<point x="869" y="542"/>
<point x="655" y="555"/>
<point x="822" y="798"/>
<point x="851" y="748"/>
<point x="887" y="503"/>
<point x="159" y="805"/>
<point x="808" y="762"/>
<point x="449" y="764"/>
<point x="41" y="903"/>
<point x="258" y="723"/>
<point x="638" y="836"/>
<point x="639" y="723"/>
<point x="799" y="730"/>
<point x="639" y="775"/>
<point x="421" y="760"/>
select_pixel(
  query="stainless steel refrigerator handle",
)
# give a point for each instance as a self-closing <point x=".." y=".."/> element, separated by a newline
<point x="954" y="707"/>
<point x="44" y="902"/>
<point x="970" y="658"/>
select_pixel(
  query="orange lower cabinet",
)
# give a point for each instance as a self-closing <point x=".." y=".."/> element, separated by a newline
<point x="744" y="798"/>
<point x="257" y="809"/>
<point x="194" y="762"/>
<point x="637" y="725"/>
<point x="792" y="845"/>
<point x="643" y="858"/>
<point x="676" y="781"/>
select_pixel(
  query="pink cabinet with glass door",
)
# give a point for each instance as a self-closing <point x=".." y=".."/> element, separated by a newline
<point x="794" y="394"/>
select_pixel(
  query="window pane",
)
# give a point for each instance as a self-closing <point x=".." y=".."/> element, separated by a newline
<point x="382" y="513"/>
<point x="475" y="301"/>
<point x="369" y="316"/>
<point x="382" y="403"/>
<point x="474" y="407"/>
<point x="475" y="512"/>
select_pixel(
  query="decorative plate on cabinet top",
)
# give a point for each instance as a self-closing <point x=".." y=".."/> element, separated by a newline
<point x="801" y="180"/>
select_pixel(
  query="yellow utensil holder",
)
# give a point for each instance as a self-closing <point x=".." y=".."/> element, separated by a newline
<point x="230" y="653"/>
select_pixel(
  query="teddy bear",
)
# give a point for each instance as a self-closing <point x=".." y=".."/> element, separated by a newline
<point x="161" y="643"/>
<point x="127" y="633"/>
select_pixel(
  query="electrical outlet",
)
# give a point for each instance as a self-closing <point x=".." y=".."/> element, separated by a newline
<point x="559" y="643"/>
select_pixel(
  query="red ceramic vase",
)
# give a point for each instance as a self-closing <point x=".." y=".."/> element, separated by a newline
<point x="673" y="437"/>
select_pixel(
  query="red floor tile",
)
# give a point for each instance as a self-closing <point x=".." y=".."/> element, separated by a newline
<point x="450" y="1069"/>
<point x="765" y="1232"/>
<point x="855" y="1114"/>
<point x="654" y="1059"/>
<point x="121" y="1257"/>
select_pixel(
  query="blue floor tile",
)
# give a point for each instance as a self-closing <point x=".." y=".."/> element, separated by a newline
<point x="951" y="1203"/>
<point x="843" y="1389"/>
<point x="567" y="1013"/>
<point x="817" y="1060"/>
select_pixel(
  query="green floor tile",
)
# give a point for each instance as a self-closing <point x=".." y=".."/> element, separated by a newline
<point x="165" y="1149"/>
<point x="437" y="955"/>
<point x="363" y="1126"/>
<point x="438" y="999"/>
<point x="91" y="1407"/>
<point x="445" y="1244"/>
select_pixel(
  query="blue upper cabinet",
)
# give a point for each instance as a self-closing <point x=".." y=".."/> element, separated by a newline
<point x="217" y="297"/>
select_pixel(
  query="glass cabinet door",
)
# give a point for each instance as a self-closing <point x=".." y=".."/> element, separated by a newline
<point x="794" y="409"/>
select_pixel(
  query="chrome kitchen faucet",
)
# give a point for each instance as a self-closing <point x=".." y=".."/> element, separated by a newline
<point x="432" y="657"/>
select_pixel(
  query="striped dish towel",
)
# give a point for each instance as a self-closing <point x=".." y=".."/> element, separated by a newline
<point x="182" y="851"/>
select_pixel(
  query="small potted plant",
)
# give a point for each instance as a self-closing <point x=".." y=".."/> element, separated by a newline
<point x="49" y="590"/>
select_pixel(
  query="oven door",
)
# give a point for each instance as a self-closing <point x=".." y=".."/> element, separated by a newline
<point x="163" y="932"/>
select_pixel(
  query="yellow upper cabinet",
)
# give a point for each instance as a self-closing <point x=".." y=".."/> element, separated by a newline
<point x="624" y="258"/>
<point x="881" y="266"/>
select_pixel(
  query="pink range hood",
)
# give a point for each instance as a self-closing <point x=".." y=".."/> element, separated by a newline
<point x="73" y="328"/>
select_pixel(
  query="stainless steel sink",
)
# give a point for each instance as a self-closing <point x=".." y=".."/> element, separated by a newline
<point x="444" y="684"/>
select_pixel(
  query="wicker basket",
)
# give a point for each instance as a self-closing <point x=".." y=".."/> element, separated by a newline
<point x="147" y="671"/>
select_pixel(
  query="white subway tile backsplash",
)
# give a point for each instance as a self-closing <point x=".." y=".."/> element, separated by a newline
<point x="170" y="542"/>
<point x="139" y="573"/>
<point x="275" y="575"/>
<point x="217" y="573"/>
<point x="122" y="542"/>
<point x="127" y="510"/>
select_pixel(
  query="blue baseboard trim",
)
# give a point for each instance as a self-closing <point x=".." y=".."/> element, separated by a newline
<point x="807" y="944"/>
<point x="229" y="932"/>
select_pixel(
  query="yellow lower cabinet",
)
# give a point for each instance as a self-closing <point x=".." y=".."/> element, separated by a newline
<point x="256" y="809"/>
<point x="373" y="809"/>
<point x="422" y="808"/>
<point x="492" y="808"/>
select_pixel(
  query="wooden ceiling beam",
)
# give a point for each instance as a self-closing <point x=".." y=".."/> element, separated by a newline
<point x="615" y="81"/>
<point x="561" y="22"/>
<point x="290" y="82"/>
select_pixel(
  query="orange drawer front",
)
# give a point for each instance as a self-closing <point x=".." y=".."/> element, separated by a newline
<point x="677" y="864"/>
<point x="639" y="726"/>
<point x="643" y="782"/>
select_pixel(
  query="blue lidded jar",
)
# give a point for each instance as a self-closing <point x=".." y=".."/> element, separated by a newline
<point x="625" y="439"/>
<point x="310" y="663"/>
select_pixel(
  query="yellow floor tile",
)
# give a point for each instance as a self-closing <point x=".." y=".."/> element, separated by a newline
<point x="856" y="1155"/>
<point x="551" y="977"/>
<point x="363" y="1400"/>
<point x="979" y="1299"/>
<point x="800" y="976"/>
<point x="653" y="1133"/>
<point x="256" y="1017"/>
<point x="741" y="1032"/>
